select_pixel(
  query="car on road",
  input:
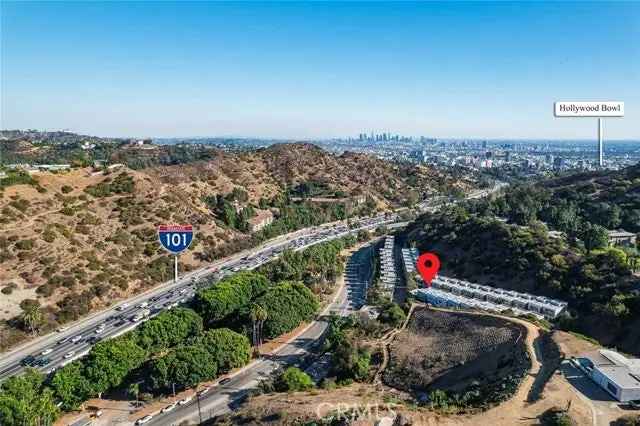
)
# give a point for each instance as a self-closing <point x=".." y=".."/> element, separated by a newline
<point x="63" y="340"/>
<point x="28" y="361"/>
<point x="69" y="354"/>
<point x="42" y="362"/>
<point x="76" y="339"/>
<point x="185" y="400"/>
<point x="142" y="305"/>
<point x="93" y="340"/>
<point x="224" y="381"/>
<point x="635" y="404"/>
<point x="143" y="420"/>
<point x="61" y="329"/>
<point x="46" y="351"/>
<point x="123" y="307"/>
<point x="169" y="407"/>
<point x="99" y="330"/>
<point x="203" y="391"/>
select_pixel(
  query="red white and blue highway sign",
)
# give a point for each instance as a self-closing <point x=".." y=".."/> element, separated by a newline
<point x="175" y="238"/>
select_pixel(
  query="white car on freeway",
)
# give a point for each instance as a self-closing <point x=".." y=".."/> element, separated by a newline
<point x="144" y="420"/>
<point x="46" y="351"/>
<point x="185" y="400"/>
<point x="69" y="354"/>
<point x="169" y="407"/>
<point x="77" y="338"/>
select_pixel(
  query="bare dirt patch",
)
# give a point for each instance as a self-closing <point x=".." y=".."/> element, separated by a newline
<point x="455" y="352"/>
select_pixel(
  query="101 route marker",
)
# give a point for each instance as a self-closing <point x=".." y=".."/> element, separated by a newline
<point x="428" y="265"/>
<point x="175" y="238"/>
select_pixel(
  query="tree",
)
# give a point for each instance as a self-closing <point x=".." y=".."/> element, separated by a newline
<point x="229" y="296"/>
<point x="31" y="317"/>
<point x="185" y="366"/>
<point x="594" y="236"/>
<point x="258" y="316"/>
<point x="293" y="380"/>
<point x="24" y="400"/>
<point x="169" y="329"/>
<point x="71" y="386"/>
<point x="288" y="304"/>
<point x="111" y="360"/>
<point x="229" y="349"/>
<point x="351" y="361"/>
<point x="392" y="314"/>
<point x="134" y="391"/>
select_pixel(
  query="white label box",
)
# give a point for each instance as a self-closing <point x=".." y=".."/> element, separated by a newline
<point x="589" y="109"/>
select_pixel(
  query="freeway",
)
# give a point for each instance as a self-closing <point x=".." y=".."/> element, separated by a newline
<point x="57" y="349"/>
<point x="350" y="297"/>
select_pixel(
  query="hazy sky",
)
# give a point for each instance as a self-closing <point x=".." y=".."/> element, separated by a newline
<point x="306" y="70"/>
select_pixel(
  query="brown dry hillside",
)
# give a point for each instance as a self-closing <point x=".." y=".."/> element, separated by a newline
<point x="79" y="240"/>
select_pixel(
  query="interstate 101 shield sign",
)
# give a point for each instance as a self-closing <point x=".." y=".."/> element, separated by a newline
<point x="175" y="238"/>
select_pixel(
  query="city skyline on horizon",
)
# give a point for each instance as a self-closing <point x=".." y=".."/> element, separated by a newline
<point x="318" y="71"/>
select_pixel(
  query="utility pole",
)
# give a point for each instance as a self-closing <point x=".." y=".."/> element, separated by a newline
<point x="198" y="399"/>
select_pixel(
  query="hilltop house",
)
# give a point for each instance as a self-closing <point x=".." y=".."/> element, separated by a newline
<point x="620" y="237"/>
<point x="260" y="220"/>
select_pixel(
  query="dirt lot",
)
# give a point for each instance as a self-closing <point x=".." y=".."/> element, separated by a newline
<point x="451" y="351"/>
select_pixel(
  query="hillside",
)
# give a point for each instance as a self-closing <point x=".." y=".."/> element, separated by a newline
<point x="603" y="294"/>
<point x="78" y="240"/>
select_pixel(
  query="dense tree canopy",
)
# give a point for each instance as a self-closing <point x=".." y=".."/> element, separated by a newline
<point x="184" y="366"/>
<point x="111" y="360"/>
<point x="71" y="386"/>
<point x="288" y="304"/>
<point x="229" y="296"/>
<point x="169" y="329"/>
<point x="228" y="348"/>
<point x="24" y="400"/>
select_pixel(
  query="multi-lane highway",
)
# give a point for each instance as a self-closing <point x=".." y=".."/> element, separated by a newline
<point x="57" y="349"/>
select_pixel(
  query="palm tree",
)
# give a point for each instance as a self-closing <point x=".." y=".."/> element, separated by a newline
<point x="258" y="317"/>
<point x="32" y="317"/>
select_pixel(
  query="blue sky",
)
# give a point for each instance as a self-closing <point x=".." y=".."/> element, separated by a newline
<point x="307" y="70"/>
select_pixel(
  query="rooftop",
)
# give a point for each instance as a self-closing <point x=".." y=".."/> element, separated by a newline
<point x="623" y="371"/>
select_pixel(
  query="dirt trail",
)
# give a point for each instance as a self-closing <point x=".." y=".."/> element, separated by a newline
<point x="385" y="341"/>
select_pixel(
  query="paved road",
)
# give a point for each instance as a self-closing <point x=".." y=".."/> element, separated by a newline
<point x="222" y="398"/>
<point x="74" y="342"/>
<point x="358" y="274"/>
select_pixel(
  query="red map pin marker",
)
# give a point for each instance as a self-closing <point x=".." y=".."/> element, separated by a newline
<point x="428" y="266"/>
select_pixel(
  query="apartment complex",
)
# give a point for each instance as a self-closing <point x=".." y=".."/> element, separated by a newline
<point x="451" y="292"/>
